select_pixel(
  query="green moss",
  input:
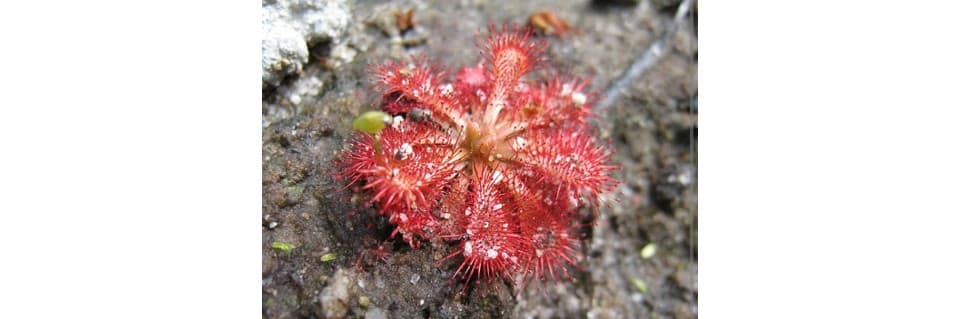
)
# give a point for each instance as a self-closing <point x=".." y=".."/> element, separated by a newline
<point x="294" y="194"/>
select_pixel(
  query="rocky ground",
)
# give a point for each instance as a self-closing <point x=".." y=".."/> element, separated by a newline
<point x="320" y="256"/>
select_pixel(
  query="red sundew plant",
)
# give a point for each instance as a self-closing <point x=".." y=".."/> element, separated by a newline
<point x="491" y="161"/>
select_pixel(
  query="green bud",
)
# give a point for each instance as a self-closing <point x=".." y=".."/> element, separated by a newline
<point x="639" y="284"/>
<point x="284" y="247"/>
<point x="648" y="251"/>
<point x="328" y="257"/>
<point x="372" y="122"/>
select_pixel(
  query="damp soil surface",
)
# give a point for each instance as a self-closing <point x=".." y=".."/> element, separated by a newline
<point x="326" y="255"/>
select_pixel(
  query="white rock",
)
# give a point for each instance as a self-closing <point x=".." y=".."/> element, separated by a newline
<point x="335" y="298"/>
<point x="290" y="27"/>
<point x="283" y="52"/>
<point x="375" y="313"/>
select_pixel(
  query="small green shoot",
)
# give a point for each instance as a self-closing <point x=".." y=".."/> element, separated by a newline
<point x="328" y="257"/>
<point x="284" y="247"/>
<point x="648" y="250"/>
<point x="641" y="286"/>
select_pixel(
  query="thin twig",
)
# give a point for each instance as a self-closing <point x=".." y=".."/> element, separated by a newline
<point x="643" y="62"/>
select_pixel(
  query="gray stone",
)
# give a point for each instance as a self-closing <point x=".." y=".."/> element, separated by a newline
<point x="335" y="297"/>
<point x="375" y="313"/>
<point x="290" y="27"/>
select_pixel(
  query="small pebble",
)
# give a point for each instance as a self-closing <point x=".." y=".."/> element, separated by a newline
<point x="375" y="313"/>
<point x="335" y="297"/>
